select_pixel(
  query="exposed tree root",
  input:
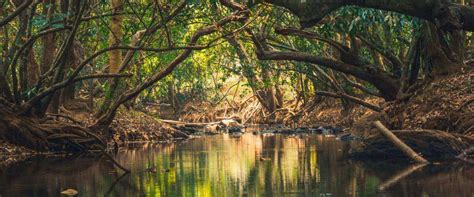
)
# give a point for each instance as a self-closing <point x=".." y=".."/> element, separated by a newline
<point x="50" y="136"/>
<point x="431" y="144"/>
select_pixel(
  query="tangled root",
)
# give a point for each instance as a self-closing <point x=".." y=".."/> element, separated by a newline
<point x="51" y="136"/>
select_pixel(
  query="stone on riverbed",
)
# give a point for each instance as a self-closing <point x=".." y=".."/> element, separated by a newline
<point x="348" y="137"/>
<point x="234" y="130"/>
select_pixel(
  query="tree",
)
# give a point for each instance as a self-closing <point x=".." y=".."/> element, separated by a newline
<point x="444" y="13"/>
<point x="23" y="117"/>
<point x="437" y="50"/>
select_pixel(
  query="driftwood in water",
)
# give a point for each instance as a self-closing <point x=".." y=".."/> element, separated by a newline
<point x="236" y="118"/>
<point x="399" y="143"/>
<point x="188" y="124"/>
<point x="432" y="144"/>
<point x="210" y="127"/>
<point x="224" y="122"/>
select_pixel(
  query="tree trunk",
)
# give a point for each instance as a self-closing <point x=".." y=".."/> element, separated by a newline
<point x="265" y="95"/>
<point x="115" y="36"/>
<point x="172" y="97"/>
<point x="440" y="56"/>
<point x="49" y="45"/>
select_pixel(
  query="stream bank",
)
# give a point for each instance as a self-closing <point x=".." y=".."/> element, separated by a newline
<point x="443" y="105"/>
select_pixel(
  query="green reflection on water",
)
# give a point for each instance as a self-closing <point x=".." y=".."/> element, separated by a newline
<point x="224" y="166"/>
<point x="249" y="165"/>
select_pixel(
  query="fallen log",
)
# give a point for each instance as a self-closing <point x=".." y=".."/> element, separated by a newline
<point x="224" y="122"/>
<point x="187" y="124"/>
<point x="434" y="145"/>
<point x="172" y="122"/>
<point x="399" y="143"/>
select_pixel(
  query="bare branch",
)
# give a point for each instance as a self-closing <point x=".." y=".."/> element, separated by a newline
<point x="15" y="13"/>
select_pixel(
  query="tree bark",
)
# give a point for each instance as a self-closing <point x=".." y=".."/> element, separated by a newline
<point x="445" y="14"/>
<point x="115" y="36"/>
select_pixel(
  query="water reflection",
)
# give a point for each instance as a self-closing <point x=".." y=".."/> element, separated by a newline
<point x="225" y="166"/>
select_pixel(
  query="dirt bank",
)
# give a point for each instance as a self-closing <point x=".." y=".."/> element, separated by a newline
<point x="446" y="104"/>
<point x="437" y="121"/>
<point x="133" y="126"/>
<point x="129" y="126"/>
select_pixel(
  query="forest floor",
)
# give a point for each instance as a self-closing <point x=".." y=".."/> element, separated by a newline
<point x="137" y="126"/>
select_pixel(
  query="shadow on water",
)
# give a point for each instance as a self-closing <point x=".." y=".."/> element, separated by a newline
<point x="250" y="165"/>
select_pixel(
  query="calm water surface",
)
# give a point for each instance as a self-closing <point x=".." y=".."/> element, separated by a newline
<point x="247" y="166"/>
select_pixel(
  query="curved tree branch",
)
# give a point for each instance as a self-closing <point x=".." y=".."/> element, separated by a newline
<point x="15" y="13"/>
<point x="384" y="82"/>
<point x="445" y="14"/>
<point x="396" y="62"/>
<point x="347" y="55"/>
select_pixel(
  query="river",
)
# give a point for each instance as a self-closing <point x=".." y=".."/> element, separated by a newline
<point x="222" y="165"/>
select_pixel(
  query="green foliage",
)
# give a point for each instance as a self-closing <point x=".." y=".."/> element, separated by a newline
<point x="206" y="74"/>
